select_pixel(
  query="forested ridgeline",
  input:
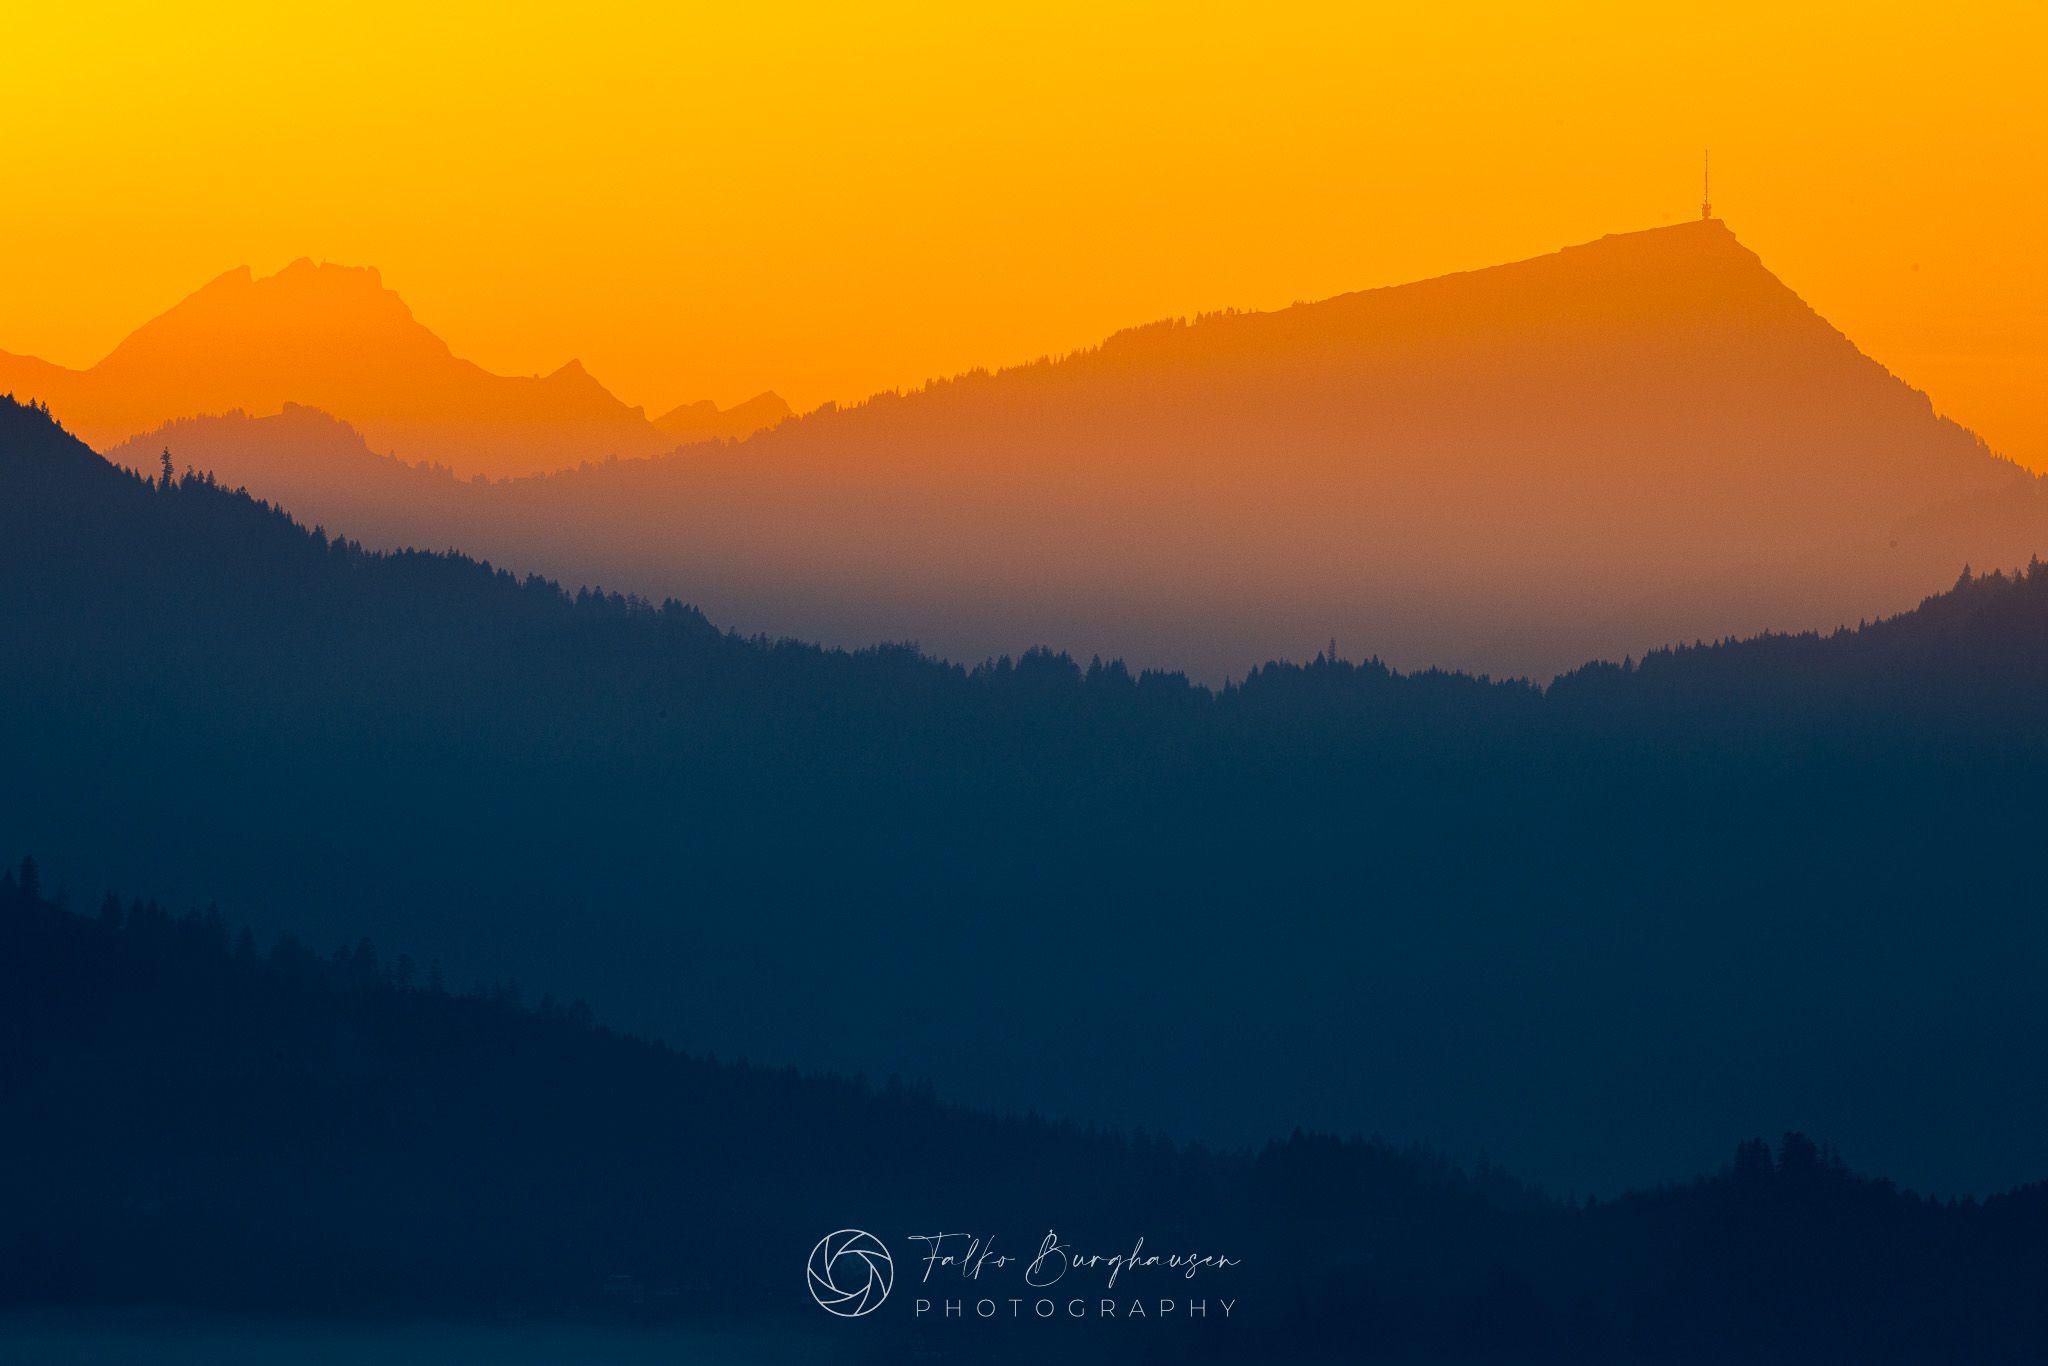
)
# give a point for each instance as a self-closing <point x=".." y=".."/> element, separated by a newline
<point x="1599" y="929"/>
<point x="180" y="565"/>
<point x="191" y="1118"/>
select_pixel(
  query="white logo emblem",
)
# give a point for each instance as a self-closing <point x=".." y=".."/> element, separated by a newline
<point x="850" y="1273"/>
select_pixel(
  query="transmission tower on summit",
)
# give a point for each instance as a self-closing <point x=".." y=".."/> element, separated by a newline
<point x="1706" y="185"/>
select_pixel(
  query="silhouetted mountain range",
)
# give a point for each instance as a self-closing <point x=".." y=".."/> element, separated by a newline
<point x="706" y="421"/>
<point x="332" y="337"/>
<point x="1600" y="930"/>
<point x="190" y="1119"/>
<point x="1644" y="440"/>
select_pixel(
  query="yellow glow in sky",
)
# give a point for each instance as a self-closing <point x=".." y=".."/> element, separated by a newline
<point x="832" y="199"/>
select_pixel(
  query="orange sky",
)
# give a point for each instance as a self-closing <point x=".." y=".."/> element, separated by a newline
<point x="829" y="200"/>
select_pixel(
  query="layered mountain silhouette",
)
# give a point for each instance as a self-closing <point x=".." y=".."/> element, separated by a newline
<point x="171" y="1084"/>
<point x="1598" y="930"/>
<point x="333" y="338"/>
<point x="1644" y="439"/>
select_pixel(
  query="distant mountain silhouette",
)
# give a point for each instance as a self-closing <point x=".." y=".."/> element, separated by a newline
<point x="322" y="459"/>
<point x="1596" y="930"/>
<point x="332" y="337"/>
<point x="706" y="421"/>
<point x="1643" y="440"/>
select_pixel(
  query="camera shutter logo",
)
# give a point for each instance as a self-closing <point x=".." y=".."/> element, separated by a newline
<point x="850" y="1273"/>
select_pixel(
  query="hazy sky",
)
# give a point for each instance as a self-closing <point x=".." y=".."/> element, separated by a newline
<point x="829" y="200"/>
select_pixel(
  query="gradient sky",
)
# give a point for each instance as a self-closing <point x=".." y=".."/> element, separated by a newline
<point x="829" y="200"/>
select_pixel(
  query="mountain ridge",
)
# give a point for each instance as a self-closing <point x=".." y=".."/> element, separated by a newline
<point x="336" y="338"/>
<point x="1631" y="442"/>
<point x="254" y="1062"/>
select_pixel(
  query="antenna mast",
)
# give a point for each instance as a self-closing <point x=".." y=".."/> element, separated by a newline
<point x="1706" y="185"/>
